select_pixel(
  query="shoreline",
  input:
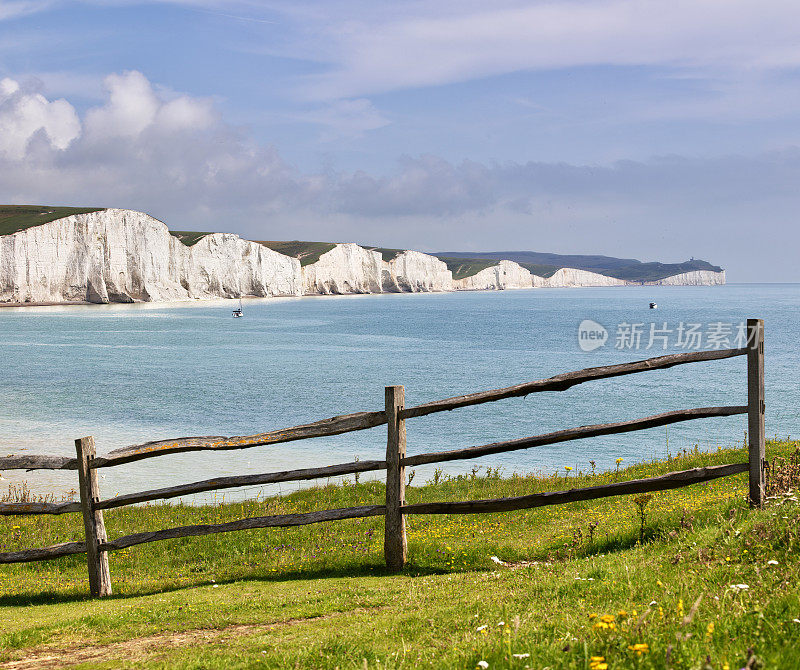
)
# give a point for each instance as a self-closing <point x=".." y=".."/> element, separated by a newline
<point x="211" y="301"/>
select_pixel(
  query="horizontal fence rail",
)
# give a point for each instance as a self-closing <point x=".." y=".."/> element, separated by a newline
<point x="38" y="463"/>
<point x="575" y="434"/>
<point x="16" y="509"/>
<point x="275" y="521"/>
<point x="395" y="414"/>
<point x="43" y="554"/>
<point x="242" y="480"/>
<point x="336" y="425"/>
<point x="673" y="480"/>
<point x="567" y="380"/>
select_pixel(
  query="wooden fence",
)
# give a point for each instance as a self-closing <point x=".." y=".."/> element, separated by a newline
<point x="97" y="545"/>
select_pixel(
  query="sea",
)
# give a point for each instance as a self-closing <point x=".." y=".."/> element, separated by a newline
<point x="128" y="374"/>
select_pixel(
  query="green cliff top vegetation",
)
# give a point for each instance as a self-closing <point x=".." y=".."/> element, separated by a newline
<point x="387" y="254"/>
<point x="188" y="237"/>
<point x="306" y="252"/>
<point x="14" y="218"/>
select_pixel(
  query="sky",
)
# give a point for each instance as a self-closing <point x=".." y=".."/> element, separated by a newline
<point x="651" y="129"/>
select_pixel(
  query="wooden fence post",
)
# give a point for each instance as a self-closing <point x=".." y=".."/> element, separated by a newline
<point x="755" y="409"/>
<point x="395" y="545"/>
<point x="99" y="575"/>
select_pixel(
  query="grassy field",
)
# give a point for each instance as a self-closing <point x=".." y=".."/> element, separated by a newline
<point x="14" y="218"/>
<point x="701" y="581"/>
<point x="466" y="267"/>
<point x="387" y="254"/>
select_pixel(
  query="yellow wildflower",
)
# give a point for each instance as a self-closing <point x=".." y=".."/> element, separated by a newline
<point x="709" y="631"/>
<point x="640" y="648"/>
<point x="606" y="622"/>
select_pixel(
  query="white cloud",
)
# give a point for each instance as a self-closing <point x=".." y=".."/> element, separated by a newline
<point x="426" y="46"/>
<point x="10" y="9"/>
<point x="185" y="113"/>
<point x="132" y="106"/>
<point x="24" y="114"/>
<point x="345" y="118"/>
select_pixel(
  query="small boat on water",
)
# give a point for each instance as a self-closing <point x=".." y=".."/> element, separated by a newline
<point x="653" y="305"/>
<point x="238" y="313"/>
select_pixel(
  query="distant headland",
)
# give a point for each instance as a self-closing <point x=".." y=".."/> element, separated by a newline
<point x="58" y="255"/>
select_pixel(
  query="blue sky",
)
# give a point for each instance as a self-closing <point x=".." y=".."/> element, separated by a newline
<point x="636" y="128"/>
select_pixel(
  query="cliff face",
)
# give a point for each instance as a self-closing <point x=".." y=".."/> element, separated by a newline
<point x="504" y="275"/>
<point x="223" y="264"/>
<point x="509" y="275"/>
<point x="119" y="255"/>
<point x="416" y="272"/>
<point x="694" y="278"/>
<point x="347" y="268"/>
<point x="570" y="277"/>
<point x="123" y="256"/>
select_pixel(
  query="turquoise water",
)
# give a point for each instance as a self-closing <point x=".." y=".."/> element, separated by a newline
<point x="131" y="373"/>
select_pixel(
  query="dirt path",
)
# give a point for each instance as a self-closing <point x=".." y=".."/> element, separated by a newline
<point x="51" y="656"/>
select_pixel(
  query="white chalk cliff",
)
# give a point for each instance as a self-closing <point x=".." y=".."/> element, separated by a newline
<point x="570" y="277"/>
<point x="693" y="278"/>
<point x="347" y="268"/>
<point x="504" y="275"/>
<point x="117" y="255"/>
<point x="415" y="272"/>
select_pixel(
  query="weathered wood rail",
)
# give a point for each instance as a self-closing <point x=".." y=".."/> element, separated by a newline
<point x="96" y="545"/>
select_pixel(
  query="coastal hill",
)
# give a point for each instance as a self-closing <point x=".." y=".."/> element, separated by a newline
<point x="545" y="264"/>
<point x="84" y="254"/>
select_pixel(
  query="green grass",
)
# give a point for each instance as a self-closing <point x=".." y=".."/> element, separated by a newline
<point x="319" y="597"/>
<point x="466" y="267"/>
<point x="14" y="218"/>
<point x="541" y="270"/>
<point x="307" y="252"/>
<point x="387" y="254"/>
<point x="188" y="237"/>
<point x="646" y="272"/>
